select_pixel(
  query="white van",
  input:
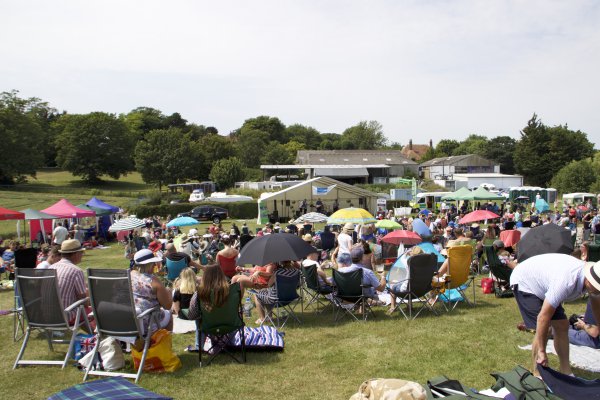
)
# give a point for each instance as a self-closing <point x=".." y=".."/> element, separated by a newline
<point x="196" y="196"/>
<point x="429" y="200"/>
<point x="574" y="199"/>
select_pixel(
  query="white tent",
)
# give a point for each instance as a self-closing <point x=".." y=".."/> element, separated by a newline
<point x="285" y="204"/>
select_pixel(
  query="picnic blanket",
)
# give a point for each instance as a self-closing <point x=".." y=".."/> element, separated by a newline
<point x="581" y="357"/>
<point x="117" y="388"/>
<point x="570" y="387"/>
<point x="261" y="338"/>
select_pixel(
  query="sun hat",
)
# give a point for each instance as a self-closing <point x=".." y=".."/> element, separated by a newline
<point x="498" y="244"/>
<point x="349" y="226"/>
<point x="592" y="273"/>
<point x="307" y="238"/>
<point x="70" y="246"/>
<point x="193" y="232"/>
<point x="145" y="256"/>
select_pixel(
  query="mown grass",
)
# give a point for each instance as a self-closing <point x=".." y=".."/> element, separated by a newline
<point x="321" y="359"/>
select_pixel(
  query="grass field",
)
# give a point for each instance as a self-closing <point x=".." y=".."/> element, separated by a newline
<point x="321" y="359"/>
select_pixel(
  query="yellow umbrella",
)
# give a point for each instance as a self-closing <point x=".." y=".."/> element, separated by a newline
<point x="351" y="214"/>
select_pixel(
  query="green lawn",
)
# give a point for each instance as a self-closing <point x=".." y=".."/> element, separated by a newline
<point x="321" y="359"/>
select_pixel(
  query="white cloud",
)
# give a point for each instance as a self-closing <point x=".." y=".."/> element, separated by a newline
<point x="424" y="69"/>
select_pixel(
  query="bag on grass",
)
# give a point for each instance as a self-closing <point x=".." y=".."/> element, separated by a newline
<point x="487" y="285"/>
<point x="160" y="357"/>
<point x="83" y="344"/>
<point x="111" y="354"/>
<point x="389" y="389"/>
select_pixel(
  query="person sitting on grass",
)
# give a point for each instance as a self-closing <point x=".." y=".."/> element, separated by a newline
<point x="267" y="297"/>
<point x="585" y="330"/>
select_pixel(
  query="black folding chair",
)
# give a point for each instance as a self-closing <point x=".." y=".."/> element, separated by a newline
<point x="421" y="270"/>
<point x="287" y="300"/>
<point x="43" y="310"/>
<point x="349" y="298"/>
<point x="114" y="310"/>
<point x="500" y="271"/>
<point x="317" y="294"/>
<point x="221" y="323"/>
<point x="24" y="258"/>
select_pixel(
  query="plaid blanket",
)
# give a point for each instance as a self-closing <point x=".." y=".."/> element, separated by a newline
<point x="106" y="389"/>
<point x="261" y="338"/>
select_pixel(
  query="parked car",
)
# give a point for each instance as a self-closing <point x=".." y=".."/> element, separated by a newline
<point x="206" y="213"/>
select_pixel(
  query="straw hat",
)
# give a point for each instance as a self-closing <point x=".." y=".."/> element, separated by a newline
<point x="70" y="246"/>
<point x="307" y="238"/>
<point x="349" y="226"/>
<point x="592" y="274"/>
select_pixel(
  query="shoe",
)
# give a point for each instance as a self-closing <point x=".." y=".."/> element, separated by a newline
<point x="521" y="326"/>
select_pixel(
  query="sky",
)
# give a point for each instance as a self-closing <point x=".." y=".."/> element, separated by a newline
<point x="424" y="69"/>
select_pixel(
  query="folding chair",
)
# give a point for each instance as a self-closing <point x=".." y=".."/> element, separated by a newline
<point x="220" y="323"/>
<point x="594" y="252"/>
<point x="499" y="271"/>
<point x="421" y="270"/>
<point x="348" y="296"/>
<point x="43" y="310"/>
<point x="316" y="293"/>
<point x="287" y="300"/>
<point x="459" y="274"/>
<point x="174" y="269"/>
<point x="114" y="310"/>
<point x="24" y="258"/>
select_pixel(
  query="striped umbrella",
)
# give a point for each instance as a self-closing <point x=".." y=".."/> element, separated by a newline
<point x="126" y="224"/>
<point x="312" y="217"/>
<point x="182" y="221"/>
<point x="352" y="215"/>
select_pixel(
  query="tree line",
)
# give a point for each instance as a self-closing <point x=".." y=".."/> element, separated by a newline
<point x="168" y="149"/>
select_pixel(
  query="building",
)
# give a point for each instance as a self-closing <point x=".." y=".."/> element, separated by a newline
<point x="285" y="204"/>
<point x="351" y="166"/>
<point x="492" y="180"/>
<point x="416" y="151"/>
<point x="445" y="167"/>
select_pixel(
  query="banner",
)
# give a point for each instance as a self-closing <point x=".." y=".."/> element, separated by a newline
<point x="322" y="191"/>
<point x="263" y="214"/>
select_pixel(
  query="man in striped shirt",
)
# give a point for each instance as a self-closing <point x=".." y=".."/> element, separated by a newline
<point x="541" y="284"/>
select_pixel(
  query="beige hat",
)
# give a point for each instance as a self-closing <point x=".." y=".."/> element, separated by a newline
<point x="307" y="237"/>
<point x="592" y="274"/>
<point x="349" y="226"/>
<point x="70" y="246"/>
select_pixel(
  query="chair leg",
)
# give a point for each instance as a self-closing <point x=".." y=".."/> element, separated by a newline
<point x="23" y="346"/>
<point x="144" y="354"/>
<point x="88" y="367"/>
<point x="71" y="348"/>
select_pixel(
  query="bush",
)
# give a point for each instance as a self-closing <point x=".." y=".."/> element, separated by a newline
<point x="241" y="210"/>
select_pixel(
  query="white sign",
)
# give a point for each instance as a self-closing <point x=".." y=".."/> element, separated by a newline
<point x="382" y="203"/>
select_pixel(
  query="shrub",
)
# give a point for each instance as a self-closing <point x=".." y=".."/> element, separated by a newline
<point x="241" y="210"/>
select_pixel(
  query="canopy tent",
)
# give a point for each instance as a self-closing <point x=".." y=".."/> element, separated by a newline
<point x="482" y="194"/>
<point x="97" y="203"/>
<point x="35" y="215"/>
<point x="6" y="214"/>
<point x="64" y="209"/>
<point x="99" y="211"/>
<point x="458" y="195"/>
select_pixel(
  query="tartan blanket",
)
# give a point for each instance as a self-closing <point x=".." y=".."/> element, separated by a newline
<point x="261" y="338"/>
<point x="117" y="388"/>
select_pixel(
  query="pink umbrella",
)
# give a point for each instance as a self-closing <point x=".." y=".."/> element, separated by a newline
<point x="479" y="215"/>
<point x="402" y="237"/>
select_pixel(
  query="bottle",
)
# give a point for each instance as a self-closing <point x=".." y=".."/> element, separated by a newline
<point x="248" y="308"/>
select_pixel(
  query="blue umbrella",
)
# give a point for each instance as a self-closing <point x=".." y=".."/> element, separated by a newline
<point x="425" y="212"/>
<point x="541" y="206"/>
<point x="182" y="221"/>
<point x="420" y="228"/>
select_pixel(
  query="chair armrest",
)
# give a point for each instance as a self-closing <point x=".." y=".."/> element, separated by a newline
<point x="148" y="312"/>
<point x="77" y="304"/>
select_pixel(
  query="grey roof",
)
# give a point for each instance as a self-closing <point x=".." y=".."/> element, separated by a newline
<point x="342" y="172"/>
<point x="455" y="160"/>
<point x="354" y="157"/>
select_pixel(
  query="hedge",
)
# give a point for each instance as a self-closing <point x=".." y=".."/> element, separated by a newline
<point x="238" y="210"/>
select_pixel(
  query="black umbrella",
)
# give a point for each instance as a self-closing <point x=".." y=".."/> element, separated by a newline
<point x="274" y="248"/>
<point x="549" y="238"/>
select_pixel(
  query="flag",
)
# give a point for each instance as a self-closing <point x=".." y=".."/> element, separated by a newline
<point x="322" y="191"/>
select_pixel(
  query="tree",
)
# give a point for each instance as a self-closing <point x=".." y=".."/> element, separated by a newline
<point x="214" y="148"/>
<point x="577" y="176"/>
<point x="364" y="136"/>
<point x="446" y="147"/>
<point x="225" y="173"/>
<point x="308" y="136"/>
<point x="95" y="144"/>
<point x="142" y="120"/>
<point x="473" y="144"/>
<point x="22" y="137"/>
<point x="252" y="146"/>
<point x="272" y="126"/>
<point x="501" y="149"/>
<point x="543" y="151"/>
<point x="167" y="156"/>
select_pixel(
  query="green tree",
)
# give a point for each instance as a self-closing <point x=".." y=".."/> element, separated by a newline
<point x="142" y="120"/>
<point x="473" y="144"/>
<point x="308" y="136"/>
<point x="543" y="151"/>
<point x="95" y="144"/>
<point x="446" y="147"/>
<point x="501" y="149"/>
<point x="252" y="147"/>
<point x="167" y="156"/>
<point x="22" y="138"/>
<point x="272" y="126"/>
<point x="577" y="176"/>
<point x="226" y="172"/>
<point x="366" y="135"/>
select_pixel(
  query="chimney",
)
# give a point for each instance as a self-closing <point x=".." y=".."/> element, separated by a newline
<point x="410" y="144"/>
<point x="431" y="143"/>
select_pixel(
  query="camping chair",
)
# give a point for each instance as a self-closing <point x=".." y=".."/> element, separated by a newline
<point x="316" y="293"/>
<point x="500" y="271"/>
<point x="174" y="268"/>
<point x="421" y="270"/>
<point x="593" y="252"/>
<point x="459" y="274"/>
<point x="114" y="310"/>
<point x="220" y="323"/>
<point x="287" y="300"/>
<point x="348" y="297"/>
<point x="42" y="307"/>
<point x="24" y="258"/>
